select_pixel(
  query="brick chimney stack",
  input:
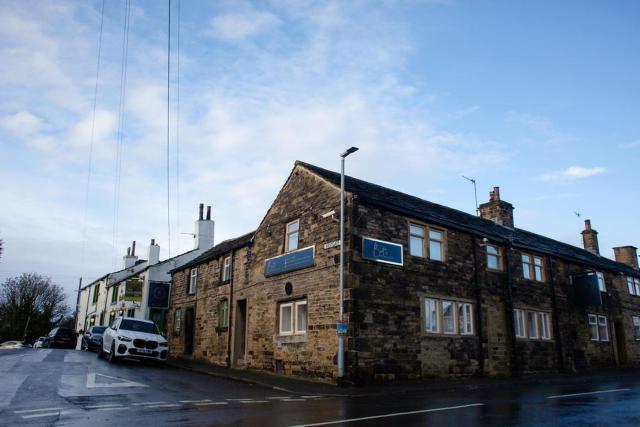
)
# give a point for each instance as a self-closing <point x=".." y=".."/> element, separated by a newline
<point x="497" y="210"/>
<point x="627" y="255"/>
<point x="590" y="238"/>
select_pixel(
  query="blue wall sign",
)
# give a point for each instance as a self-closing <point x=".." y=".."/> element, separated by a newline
<point x="158" y="295"/>
<point x="302" y="258"/>
<point x="381" y="251"/>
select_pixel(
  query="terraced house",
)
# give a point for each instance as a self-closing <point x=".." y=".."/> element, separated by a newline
<point x="429" y="291"/>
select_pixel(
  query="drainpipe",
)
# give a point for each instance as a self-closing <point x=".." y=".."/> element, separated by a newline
<point x="513" y="359"/>
<point x="556" y="320"/>
<point x="478" y="319"/>
<point x="229" y="322"/>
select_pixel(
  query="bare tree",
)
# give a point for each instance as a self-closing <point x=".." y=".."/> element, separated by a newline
<point x="30" y="305"/>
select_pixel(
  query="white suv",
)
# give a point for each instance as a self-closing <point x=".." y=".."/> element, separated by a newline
<point x="133" y="338"/>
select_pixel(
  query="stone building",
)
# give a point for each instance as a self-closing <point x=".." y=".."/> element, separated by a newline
<point x="429" y="291"/>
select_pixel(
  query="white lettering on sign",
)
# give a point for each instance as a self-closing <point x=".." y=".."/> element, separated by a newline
<point x="331" y="244"/>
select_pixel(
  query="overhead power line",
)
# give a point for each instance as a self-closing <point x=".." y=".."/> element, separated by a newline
<point x="168" y="127"/>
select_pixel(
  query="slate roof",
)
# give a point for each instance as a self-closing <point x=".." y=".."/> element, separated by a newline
<point x="219" y="249"/>
<point x="140" y="261"/>
<point x="417" y="208"/>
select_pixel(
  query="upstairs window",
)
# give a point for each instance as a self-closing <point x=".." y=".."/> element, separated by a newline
<point x="114" y="296"/>
<point x="226" y="269"/>
<point x="96" y="291"/>
<point x="293" y="318"/>
<point x="634" y="285"/>
<point x="193" y="281"/>
<point x="223" y="313"/>
<point x="533" y="268"/>
<point x="426" y="242"/>
<point x="494" y="258"/>
<point x="292" y="236"/>
<point x="601" y="284"/>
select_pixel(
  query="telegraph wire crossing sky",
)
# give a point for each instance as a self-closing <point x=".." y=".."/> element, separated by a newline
<point x="539" y="99"/>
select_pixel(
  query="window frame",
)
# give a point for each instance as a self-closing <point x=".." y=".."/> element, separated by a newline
<point x="177" y="321"/>
<point x="466" y="319"/>
<point x="114" y="294"/>
<point x="427" y="239"/>
<point x="226" y="268"/>
<point x="531" y="267"/>
<point x="602" y="285"/>
<point x="592" y="321"/>
<point x="604" y="325"/>
<point x="532" y="315"/>
<point x="427" y="315"/>
<point x="288" y="234"/>
<point x="544" y="323"/>
<point x="631" y="285"/>
<point x="453" y="317"/>
<point x="193" y="281"/>
<point x="96" y="293"/>
<point x="293" y="317"/>
<point x="497" y="256"/>
<point x="635" y="321"/>
<point x="223" y="321"/>
<point x="519" y="323"/>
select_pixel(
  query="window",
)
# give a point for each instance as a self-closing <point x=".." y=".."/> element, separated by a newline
<point x="436" y="245"/>
<point x="532" y="325"/>
<point x="416" y="240"/>
<point x="448" y="319"/>
<point x="293" y="318"/>
<point x="131" y="312"/>
<point x="634" y="285"/>
<point x="223" y="313"/>
<point x="435" y="238"/>
<point x="519" y="323"/>
<point x="431" y="315"/>
<point x="177" y="321"/>
<point x="114" y="296"/>
<point x="292" y="236"/>
<point x="533" y="268"/>
<point x="465" y="320"/>
<point x="226" y="269"/>
<point x="598" y="328"/>
<point x="494" y="258"/>
<point x="593" y="327"/>
<point x="112" y="316"/>
<point x="636" y="327"/>
<point x="603" y="330"/>
<point x="96" y="291"/>
<point x="601" y="284"/>
<point x="545" y="326"/>
<point x="193" y="282"/>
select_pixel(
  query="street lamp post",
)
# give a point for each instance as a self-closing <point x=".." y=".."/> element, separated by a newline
<point x="341" y="283"/>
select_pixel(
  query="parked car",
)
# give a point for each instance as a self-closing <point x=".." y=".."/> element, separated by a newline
<point x="135" y="339"/>
<point x="61" y="338"/>
<point x="92" y="338"/>
<point x="11" y="345"/>
<point x="39" y="342"/>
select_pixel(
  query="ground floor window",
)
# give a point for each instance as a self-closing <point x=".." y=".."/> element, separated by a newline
<point x="223" y="313"/>
<point x="636" y="327"/>
<point x="449" y="317"/>
<point x="177" y="321"/>
<point x="532" y="324"/>
<point x="598" y="328"/>
<point x="293" y="317"/>
<point x="131" y="312"/>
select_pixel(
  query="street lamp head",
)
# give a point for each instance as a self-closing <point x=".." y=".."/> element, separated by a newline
<point x="349" y="151"/>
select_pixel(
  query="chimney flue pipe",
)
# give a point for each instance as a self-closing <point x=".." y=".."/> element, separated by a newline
<point x="208" y="213"/>
<point x="201" y="216"/>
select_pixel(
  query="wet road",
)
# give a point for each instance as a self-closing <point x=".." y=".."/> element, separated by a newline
<point x="66" y="387"/>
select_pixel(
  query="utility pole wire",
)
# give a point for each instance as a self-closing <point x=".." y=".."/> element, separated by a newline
<point x="178" y="131"/>
<point x="168" y="126"/>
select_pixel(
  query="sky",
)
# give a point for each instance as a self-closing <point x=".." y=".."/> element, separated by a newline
<point x="540" y="98"/>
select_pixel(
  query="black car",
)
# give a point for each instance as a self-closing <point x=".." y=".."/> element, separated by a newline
<point x="60" y="338"/>
<point x="92" y="339"/>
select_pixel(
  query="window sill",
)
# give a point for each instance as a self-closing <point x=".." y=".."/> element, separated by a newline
<point x="443" y="335"/>
<point x="291" y="339"/>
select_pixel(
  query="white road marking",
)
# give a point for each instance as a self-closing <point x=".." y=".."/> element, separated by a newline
<point x="48" y="414"/>
<point x="254" y="401"/>
<point x="397" y="414"/>
<point x="148" y="403"/>
<point x="211" y="403"/>
<point x="107" y="405"/>
<point x="121" y="382"/>
<point x="237" y="400"/>
<point x="168" y="405"/>
<point x="310" y="397"/>
<point x="278" y="397"/>
<point x="25" y="411"/>
<point x="560" y="396"/>
<point x="112" y="408"/>
<point x="292" y="400"/>
<point x="194" y="401"/>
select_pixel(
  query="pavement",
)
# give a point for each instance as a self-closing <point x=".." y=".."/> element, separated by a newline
<point x="51" y="387"/>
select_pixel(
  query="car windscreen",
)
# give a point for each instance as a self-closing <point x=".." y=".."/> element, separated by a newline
<point x="65" y="333"/>
<point x="98" y="329"/>
<point x="136" y="326"/>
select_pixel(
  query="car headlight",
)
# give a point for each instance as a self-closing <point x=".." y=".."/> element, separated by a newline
<point x="164" y="344"/>
<point x="124" y="338"/>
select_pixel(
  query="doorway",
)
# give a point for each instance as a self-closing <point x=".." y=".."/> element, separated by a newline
<point x="188" y="332"/>
<point x="621" y="343"/>
<point x="240" y="338"/>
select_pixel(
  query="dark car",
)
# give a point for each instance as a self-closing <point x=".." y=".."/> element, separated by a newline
<point x="60" y="338"/>
<point x="92" y="339"/>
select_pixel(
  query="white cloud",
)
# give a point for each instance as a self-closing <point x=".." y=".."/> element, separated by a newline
<point x="240" y="26"/>
<point x="572" y="173"/>
<point x="633" y="144"/>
